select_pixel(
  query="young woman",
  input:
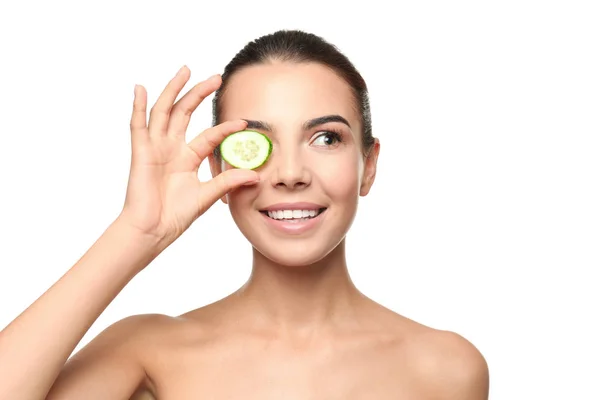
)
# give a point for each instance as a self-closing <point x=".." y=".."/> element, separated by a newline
<point x="298" y="328"/>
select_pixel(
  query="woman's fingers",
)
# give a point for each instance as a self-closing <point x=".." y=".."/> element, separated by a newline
<point x="207" y="141"/>
<point x="182" y="110"/>
<point x="159" y="114"/>
<point x="223" y="183"/>
<point x="138" y="116"/>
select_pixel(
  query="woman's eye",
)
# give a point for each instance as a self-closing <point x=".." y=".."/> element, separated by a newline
<point x="327" y="139"/>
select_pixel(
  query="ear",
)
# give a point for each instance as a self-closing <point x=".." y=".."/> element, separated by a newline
<point x="215" y="169"/>
<point x="370" y="169"/>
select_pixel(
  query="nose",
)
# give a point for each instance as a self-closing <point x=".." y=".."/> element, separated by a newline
<point x="289" y="169"/>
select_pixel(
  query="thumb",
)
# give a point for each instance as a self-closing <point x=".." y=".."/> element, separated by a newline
<point x="225" y="182"/>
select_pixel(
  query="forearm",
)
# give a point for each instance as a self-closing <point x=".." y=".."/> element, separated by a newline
<point x="35" y="346"/>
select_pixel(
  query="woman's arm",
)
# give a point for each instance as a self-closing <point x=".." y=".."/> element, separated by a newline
<point x="163" y="198"/>
<point x="35" y="346"/>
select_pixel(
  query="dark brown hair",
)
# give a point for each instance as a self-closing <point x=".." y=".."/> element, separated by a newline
<point x="300" y="47"/>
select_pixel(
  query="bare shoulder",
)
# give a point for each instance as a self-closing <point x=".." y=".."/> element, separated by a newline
<point x="137" y="333"/>
<point x="115" y="355"/>
<point x="451" y="366"/>
<point x="444" y="363"/>
<point x="148" y="338"/>
<point x="153" y="329"/>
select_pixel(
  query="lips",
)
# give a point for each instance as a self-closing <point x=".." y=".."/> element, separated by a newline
<point x="293" y="211"/>
<point x="294" y="206"/>
<point x="290" y="218"/>
<point x="293" y="215"/>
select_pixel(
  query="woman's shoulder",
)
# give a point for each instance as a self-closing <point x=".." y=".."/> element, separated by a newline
<point x="441" y="356"/>
<point x="158" y="328"/>
<point x="163" y="333"/>
<point x="152" y="340"/>
<point x="453" y="362"/>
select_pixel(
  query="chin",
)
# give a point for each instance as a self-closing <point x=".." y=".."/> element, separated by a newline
<point x="294" y="254"/>
<point x="297" y="251"/>
<point x="287" y="246"/>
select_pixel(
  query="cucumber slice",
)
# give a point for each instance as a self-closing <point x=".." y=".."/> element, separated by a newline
<point x="246" y="149"/>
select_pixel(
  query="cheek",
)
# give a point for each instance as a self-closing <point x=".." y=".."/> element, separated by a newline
<point x="240" y="202"/>
<point x="240" y="198"/>
<point x="339" y="176"/>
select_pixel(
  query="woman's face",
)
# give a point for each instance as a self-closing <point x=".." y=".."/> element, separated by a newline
<point x="316" y="165"/>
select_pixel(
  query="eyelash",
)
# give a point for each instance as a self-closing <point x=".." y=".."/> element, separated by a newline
<point x="335" y="134"/>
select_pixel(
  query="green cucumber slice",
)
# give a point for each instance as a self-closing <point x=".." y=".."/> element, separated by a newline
<point x="246" y="149"/>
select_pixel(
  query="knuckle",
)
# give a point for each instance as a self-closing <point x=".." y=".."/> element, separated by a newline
<point x="211" y="142"/>
<point x="208" y="141"/>
<point x="186" y="111"/>
<point x="139" y="107"/>
<point x="134" y="123"/>
<point x="158" y="110"/>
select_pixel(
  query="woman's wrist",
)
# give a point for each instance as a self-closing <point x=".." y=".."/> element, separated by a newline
<point x="140" y="247"/>
<point x="129" y="232"/>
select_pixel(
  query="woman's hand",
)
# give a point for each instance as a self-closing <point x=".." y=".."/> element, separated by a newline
<point x="164" y="195"/>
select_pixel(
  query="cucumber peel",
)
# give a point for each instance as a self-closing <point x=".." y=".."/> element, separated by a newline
<point x="246" y="149"/>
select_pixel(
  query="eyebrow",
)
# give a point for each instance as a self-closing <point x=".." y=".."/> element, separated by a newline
<point x="311" y="123"/>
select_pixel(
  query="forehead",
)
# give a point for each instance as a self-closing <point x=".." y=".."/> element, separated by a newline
<point x="287" y="93"/>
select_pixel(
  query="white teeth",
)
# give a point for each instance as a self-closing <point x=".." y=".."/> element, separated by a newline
<point x="292" y="214"/>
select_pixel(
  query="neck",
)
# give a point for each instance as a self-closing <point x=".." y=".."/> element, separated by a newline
<point x="300" y="298"/>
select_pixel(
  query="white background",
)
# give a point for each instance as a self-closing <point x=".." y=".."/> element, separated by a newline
<point x="485" y="215"/>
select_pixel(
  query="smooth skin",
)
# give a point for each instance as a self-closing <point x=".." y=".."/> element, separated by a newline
<point x="298" y="329"/>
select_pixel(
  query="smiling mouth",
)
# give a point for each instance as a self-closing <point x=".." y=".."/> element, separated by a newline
<point x="293" y="215"/>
